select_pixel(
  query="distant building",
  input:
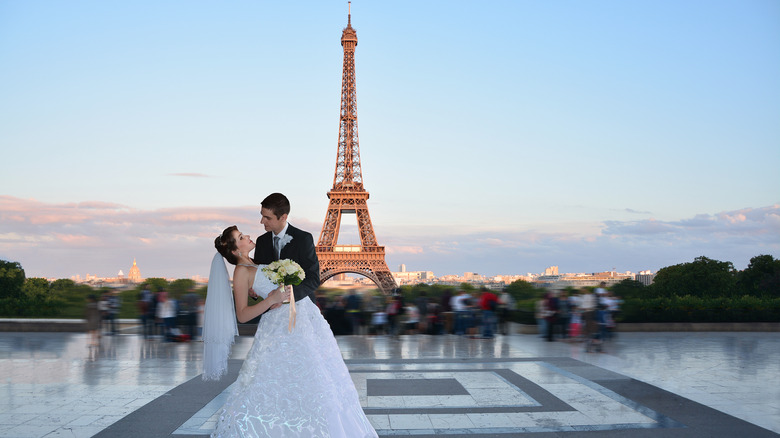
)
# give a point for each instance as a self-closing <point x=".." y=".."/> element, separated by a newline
<point x="582" y="280"/>
<point x="472" y="276"/>
<point x="645" y="277"/>
<point x="134" y="276"/>
<point x="412" y="277"/>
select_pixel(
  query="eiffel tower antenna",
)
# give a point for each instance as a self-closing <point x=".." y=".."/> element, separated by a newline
<point x="348" y="196"/>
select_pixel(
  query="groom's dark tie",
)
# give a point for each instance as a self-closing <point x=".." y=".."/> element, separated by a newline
<point x="277" y="250"/>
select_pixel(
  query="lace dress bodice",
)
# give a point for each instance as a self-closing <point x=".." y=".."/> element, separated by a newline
<point x="293" y="383"/>
<point x="262" y="285"/>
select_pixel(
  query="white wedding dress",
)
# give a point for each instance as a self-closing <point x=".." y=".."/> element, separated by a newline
<point x="293" y="384"/>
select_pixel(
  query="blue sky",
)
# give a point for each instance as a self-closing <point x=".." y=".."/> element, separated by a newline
<point x="499" y="138"/>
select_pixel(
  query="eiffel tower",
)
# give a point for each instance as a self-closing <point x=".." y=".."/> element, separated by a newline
<point x="348" y="196"/>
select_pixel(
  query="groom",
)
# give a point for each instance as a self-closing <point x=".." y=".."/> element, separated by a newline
<point x="284" y="241"/>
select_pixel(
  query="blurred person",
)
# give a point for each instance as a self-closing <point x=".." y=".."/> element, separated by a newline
<point x="488" y="303"/>
<point x="422" y="306"/>
<point x="92" y="315"/>
<point x="587" y="310"/>
<point x="103" y="306"/>
<point x="506" y="304"/>
<point x="434" y="315"/>
<point x="146" y="311"/>
<point x="612" y="304"/>
<point x="370" y="307"/>
<point x="552" y="314"/>
<point x="352" y="307"/>
<point x="166" y="314"/>
<point x="189" y="310"/>
<point x="447" y="317"/>
<point x="292" y="372"/>
<point x="564" y="314"/>
<point x="322" y="303"/>
<point x="472" y="321"/>
<point x="201" y="310"/>
<point x="540" y="313"/>
<point x="378" y="323"/>
<point x="393" y="315"/>
<point x="338" y="312"/>
<point x="460" y="306"/>
<point x="599" y="336"/>
<point x="113" y="305"/>
<point x="412" y="319"/>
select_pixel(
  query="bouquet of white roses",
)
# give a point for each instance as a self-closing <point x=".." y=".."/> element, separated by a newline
<point x="284" y="272"/>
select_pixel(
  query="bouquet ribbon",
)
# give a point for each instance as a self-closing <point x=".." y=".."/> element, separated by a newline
<point x="287" y="272"/>
<point x="293" y="313"/>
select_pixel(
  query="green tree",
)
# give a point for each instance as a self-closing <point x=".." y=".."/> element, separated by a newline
<point x="39" y="299"/>
<point x="63" y="285"/>
<point x="468" y="287"/>
<point x="761" y="278"/>
<point x="703" y="277"/>
<point x="522" y="290"/>
<point x="73" y="296"/>
<point x="11" y="279"/>
<point x="177" y="288"/>
<point x="157" y="284"/>
<point x="36" y="288"/>
<point x="628" y="289"/>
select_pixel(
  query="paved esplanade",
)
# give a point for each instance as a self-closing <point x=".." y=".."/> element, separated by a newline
<point x="644" y="385"/>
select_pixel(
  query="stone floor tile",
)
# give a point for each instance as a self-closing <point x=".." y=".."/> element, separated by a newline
<point x="410" y="421"/>
<point x="489" y="420"/>
<point x="451" y="421"/>
<point x="379" y="421"/>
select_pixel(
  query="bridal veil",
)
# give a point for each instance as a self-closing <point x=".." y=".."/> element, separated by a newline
<point x="219" y="321"/>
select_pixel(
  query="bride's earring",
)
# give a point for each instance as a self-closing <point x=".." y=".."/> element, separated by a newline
<point x="239" y="253"/>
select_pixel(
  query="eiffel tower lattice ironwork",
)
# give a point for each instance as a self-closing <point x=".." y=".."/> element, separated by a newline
<point x="348" y="196"/>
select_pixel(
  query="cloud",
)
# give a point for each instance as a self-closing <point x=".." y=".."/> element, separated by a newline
<point x="61" y="240"/>
<point x="405" y="250"/>
<point x="748" y="223"/>
<point x="734" y="236"/>
<point x="190" y="175"/>
<point x="632" y="211"/>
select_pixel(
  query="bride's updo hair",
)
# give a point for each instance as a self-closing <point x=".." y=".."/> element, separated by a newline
<point x="226" y="244"/>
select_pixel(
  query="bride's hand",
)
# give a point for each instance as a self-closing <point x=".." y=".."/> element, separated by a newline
<point x="278" y="296"/>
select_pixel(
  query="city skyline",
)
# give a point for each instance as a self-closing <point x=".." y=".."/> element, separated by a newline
<point x="134" y="276"/>
<point x="496" y="139"/>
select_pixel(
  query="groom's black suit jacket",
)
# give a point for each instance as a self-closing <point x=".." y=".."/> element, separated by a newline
<point x="301" y="250"/>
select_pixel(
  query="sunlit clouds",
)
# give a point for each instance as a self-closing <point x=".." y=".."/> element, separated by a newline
<point x="61" y="240"/>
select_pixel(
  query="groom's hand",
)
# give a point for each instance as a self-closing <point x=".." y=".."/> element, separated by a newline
<point x="252" y="294"/>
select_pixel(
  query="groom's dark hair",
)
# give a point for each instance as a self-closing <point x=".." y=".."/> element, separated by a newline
<point x="277" y="203"/>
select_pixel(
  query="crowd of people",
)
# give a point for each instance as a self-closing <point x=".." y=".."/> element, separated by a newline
<point x="480" y="314"/>
<point x="587" y="316"/>
<point x="162" y="316"/>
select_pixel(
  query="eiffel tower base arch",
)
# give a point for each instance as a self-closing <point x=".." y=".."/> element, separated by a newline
<point x="369" y="262"/>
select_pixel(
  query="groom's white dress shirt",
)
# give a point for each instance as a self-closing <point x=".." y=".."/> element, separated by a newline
<point x="280" y="235"/>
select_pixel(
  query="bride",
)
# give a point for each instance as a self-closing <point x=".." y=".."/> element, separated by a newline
<point x="292" y="383"/>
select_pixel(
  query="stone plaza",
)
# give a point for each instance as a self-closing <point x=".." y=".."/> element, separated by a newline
<point x="670" y="384"/>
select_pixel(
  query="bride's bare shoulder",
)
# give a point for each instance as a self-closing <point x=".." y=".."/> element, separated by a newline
<point x="240" y="272"/>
